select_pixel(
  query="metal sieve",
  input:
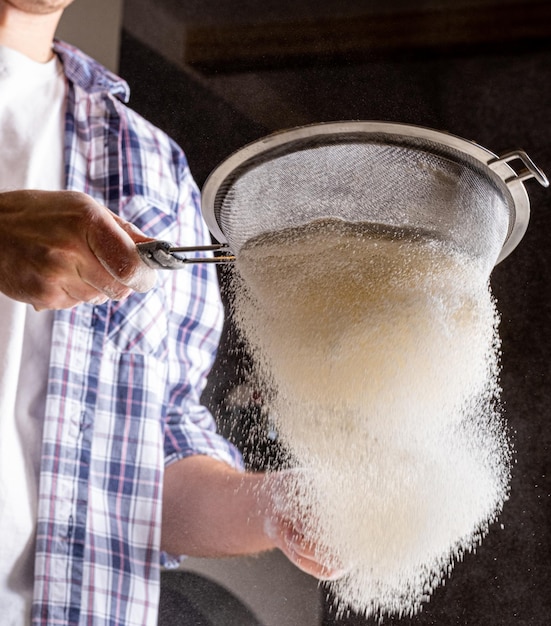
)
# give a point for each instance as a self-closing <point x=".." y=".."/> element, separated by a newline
<point x="392" y="175"/>
<point x="399" y="177"/>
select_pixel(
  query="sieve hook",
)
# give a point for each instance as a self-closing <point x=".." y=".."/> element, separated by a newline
<point x="164" y="255"/>
<point x="531" y="171"/>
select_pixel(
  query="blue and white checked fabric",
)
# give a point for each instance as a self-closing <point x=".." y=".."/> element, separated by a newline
<point x="125" y="377"/>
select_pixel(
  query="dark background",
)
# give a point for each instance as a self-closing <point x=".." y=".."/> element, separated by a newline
<point x="486" y="79"/>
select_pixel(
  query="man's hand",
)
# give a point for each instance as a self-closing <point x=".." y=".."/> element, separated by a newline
<point x="290" y="524"/>
<point x="61" y="248"/>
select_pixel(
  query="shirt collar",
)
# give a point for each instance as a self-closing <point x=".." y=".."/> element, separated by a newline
<point x="88" y="73"/>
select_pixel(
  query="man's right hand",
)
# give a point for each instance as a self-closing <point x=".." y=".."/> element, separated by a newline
<point x="60" y="248"/>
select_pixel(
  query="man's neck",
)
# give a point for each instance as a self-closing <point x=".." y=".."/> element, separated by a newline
<point x="27" y="33"/>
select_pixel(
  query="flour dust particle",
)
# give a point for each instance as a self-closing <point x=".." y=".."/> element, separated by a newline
<point x="379" y="353"/>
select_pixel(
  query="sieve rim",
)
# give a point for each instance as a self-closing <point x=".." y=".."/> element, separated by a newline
<point x="486" y="162"/>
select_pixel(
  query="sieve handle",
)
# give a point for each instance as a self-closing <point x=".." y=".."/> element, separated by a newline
<point x="164" y="255"/>
<point x="531" y="169"/>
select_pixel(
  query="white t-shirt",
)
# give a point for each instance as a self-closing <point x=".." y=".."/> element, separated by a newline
<point x="32" y="108"/>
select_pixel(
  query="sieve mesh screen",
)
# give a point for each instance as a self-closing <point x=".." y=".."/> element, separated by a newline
<point x="398" y="186"/>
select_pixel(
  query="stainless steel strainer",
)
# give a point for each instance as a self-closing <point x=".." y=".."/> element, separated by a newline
<point x="396" y="176"/>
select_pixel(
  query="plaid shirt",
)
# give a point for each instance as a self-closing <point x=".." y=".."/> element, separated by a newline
<point x="125" y="377"/>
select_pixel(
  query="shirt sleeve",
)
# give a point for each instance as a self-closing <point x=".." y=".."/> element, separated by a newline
<point x="195" y="324"/>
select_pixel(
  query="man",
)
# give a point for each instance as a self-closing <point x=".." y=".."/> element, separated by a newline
<point x="109" y="465"/>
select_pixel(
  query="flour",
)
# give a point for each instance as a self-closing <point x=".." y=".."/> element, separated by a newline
<point x="380" y="354"/>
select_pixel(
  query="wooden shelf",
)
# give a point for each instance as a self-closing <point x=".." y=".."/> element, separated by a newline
<point x="230" y="47"/>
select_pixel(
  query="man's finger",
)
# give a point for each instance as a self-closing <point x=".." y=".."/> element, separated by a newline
<point x="116" y="250"/>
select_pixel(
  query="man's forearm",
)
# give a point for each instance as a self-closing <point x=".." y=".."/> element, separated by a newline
<point x="212" y="510"/>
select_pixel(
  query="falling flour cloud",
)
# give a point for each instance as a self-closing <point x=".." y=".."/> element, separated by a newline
<point x="379" y="352"/>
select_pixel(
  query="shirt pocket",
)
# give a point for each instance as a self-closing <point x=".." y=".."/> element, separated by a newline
<point x="139" y="324"/>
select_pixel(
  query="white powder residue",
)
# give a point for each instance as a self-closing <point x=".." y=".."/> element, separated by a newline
<point x="381" y="355"/>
